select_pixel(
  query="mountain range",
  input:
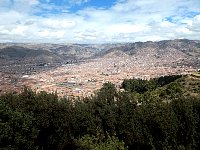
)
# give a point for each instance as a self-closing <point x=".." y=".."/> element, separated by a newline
<point x="187" y="51"/>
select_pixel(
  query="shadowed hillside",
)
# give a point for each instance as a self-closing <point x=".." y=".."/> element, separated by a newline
<point x="21" y="53"/>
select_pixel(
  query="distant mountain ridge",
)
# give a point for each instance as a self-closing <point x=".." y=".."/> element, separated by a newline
<point x="25" y="54"/>
<point x="186" y="52"/>
<point x="190" y="47"/>
<point x="167" y="50"/>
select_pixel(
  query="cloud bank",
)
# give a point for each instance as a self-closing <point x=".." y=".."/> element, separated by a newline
<point x="78" y="22"/>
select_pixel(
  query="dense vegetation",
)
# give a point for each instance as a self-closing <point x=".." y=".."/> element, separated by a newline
<point x="162" y="113"/>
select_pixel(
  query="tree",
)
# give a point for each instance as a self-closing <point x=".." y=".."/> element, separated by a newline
<point x="17" y="129"/>
<point x="100" y="143"/>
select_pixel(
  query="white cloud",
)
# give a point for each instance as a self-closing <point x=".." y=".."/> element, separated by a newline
<point x="126" y="21"/>
<point x="19" y="30"/>
<point x="195" y="25"/>
<point x="127" y="28"/>
<point x="166" y="24"/>
<point x="184" y="30"/>
<point x="78" y="2"/>
<point x="50" y="34"/>
<point x="55" y="23"/>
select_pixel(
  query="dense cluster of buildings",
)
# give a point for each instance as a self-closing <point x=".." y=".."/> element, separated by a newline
<point x="85" y="78"/>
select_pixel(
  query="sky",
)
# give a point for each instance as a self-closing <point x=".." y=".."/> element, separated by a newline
<point x="98" y="21"/>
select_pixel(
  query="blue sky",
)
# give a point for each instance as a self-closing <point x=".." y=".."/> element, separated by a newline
<point x="98" y="21"/>
<point x="80" y="4"/>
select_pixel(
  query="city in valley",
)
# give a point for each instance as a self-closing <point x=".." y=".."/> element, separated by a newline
<point x="80" y="70"/>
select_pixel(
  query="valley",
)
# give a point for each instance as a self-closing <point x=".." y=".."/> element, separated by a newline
<point x="80" y="70"/>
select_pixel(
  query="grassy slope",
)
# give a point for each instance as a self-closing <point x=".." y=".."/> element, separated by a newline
<point x="190" y="85"/>
<point x="184" y="86"/>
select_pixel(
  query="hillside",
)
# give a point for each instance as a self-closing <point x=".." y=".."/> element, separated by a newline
<point x="75" y="51"/>
<point x="186" y="52"/>
<point x="181" y="52"/>
<point x="21" y="53"/>
<point x="21" y="60"/>
<point x="165" y="87"/>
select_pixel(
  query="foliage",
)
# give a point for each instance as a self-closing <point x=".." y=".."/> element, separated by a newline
<point x="16" y="129"/>
<point x="155" y="114"/>
<point x="100" y="143"/>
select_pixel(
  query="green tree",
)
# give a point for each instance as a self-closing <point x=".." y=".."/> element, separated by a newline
<point x="16" y="129"/>
<point x="100" y="143"/>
